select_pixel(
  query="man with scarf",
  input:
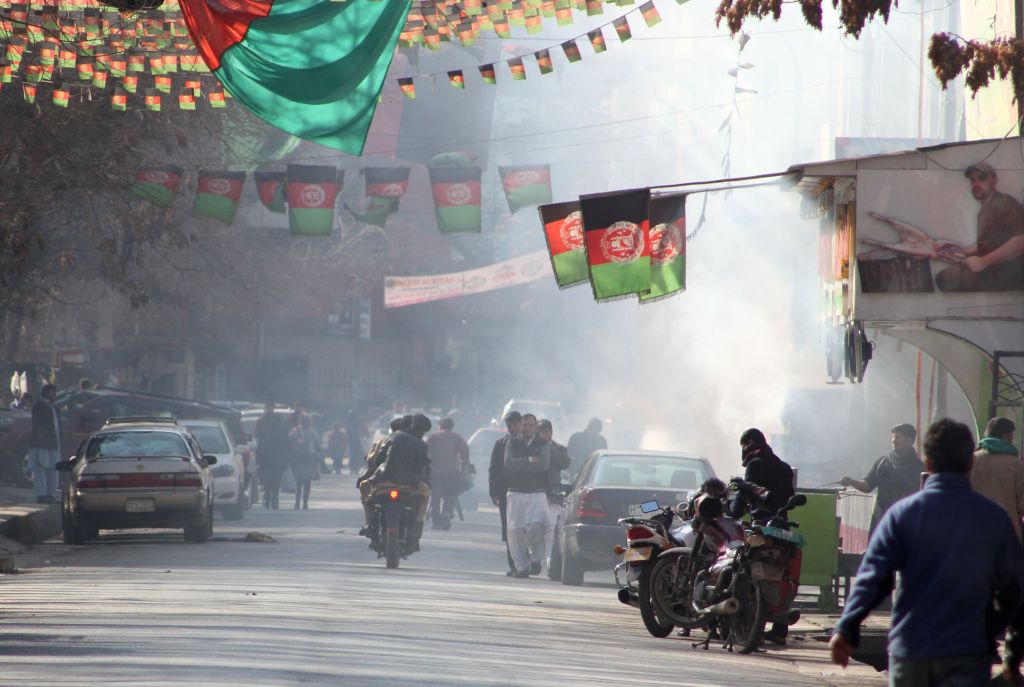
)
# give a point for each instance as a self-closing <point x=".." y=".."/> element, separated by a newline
<point x="764" y="469"/>
<point x="527" y="459"/>
<point x="895" y="475"/>
<point x="44" y="445"/>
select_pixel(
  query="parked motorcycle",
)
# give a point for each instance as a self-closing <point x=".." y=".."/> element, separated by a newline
<point x="646" y="538"/>
<point x="395" y="511"/>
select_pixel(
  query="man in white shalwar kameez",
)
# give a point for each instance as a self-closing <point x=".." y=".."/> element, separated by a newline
<point x="527" y="458"/>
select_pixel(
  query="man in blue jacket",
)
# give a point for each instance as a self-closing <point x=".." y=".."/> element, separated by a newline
<point x="956" y="553"/>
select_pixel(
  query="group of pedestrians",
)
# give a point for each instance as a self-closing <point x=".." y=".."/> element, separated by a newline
<point x="952" y="553"/>
<point x="288" y="441"/>
<point x="525" y="483"/>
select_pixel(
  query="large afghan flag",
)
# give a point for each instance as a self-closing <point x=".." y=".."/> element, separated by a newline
<point x="386" y="182"/>
<point x="313" y="68"/>
<point x="563" y="229"/>
<point x="217" y="195"/>
<point x="456" y="198"/>
<point x="526" y="185"/>
<point x="270" y="187"/>
<point x="311" y="192"/>
<point x="667" y="215"/>
<point x="616" y="233"/>
<point x="158" y="185"/>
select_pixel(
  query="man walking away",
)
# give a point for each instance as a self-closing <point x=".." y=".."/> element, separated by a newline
<point x="527" y="458"/>
<point x="449" y="455"/>
<point x="559" y="461"/>
<point x="337" y="446"/>
<point x="497" y="479"/>
<point x="305" y="462"/>
<point x="44" y="445"/>
<point x="895" y="475"/>
<point x="582" y="444"/>
<point x="271" y="454"/>
<point x="955" y="551"/>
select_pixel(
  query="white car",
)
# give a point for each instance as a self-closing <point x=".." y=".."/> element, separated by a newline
<point x="229" y="496"/>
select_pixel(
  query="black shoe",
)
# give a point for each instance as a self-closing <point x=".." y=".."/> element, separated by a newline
<point x="774" y="638"/>
<point x="535" y="568"/>
<point x="521" y="574"/>
<point x="510" y="573"/>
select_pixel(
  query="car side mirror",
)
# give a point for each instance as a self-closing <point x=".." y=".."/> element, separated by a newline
<point x="210" y="460"/>
<point x="796" y="501"/>
<point x="65" y="465"/>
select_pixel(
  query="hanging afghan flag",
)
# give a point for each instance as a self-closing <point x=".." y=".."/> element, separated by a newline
<point x="456" y="198"/>
<point x="386" y="182"/>
<point x="526" y="185"/>
<point x="217" y="195"/>
<point x="158" y="185"/>
<point x="377" y="212"/>
<point x="563" y="229"/>
<point x="270" y="187"/>
<point x="311" y="192"/>
<point x="616" y="232"/>
<point x="667" y="216"/>
<point x="260" y="51"/>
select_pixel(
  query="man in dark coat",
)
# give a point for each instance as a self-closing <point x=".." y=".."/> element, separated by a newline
<point x="895" y="475"/>
<point x="583" y="444"/>
<point x="497" y="478"/>
<point x="271" y="454"/>
<point x="559" y="461"/>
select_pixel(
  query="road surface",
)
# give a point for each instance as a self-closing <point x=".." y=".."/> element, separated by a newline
<point x="318" y="608"/>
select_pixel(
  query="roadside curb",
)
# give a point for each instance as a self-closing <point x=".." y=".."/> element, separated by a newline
<point x="33" y="526"/>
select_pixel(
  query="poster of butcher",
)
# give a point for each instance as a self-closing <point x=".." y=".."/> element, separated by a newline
<point x="941" y="232"/>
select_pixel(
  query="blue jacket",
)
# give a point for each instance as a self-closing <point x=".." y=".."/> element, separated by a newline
<point x="953" y="549"/>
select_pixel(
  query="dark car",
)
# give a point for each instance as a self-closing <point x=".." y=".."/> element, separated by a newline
<point x="612" y="485"/>
<point x="85" y="412"/>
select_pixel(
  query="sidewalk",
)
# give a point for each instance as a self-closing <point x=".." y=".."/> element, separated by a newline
<point x="23" y="522"/>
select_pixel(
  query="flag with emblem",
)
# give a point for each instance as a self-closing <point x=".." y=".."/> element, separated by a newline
<point x="487" y="74"/>
<point x="217" y="195"/>
<point x="563" y="230"/>
<point x="622" y="28"/>
<point x="386" y="182"/>
<point x="572" y="51"/>
<point x="407" y="87"/>
<point x="667" y="219"/>
<point x="456" y="79"/>
<point x="544" y="61"/>
<point x="311" y="191"/>
<point x="597" y="40"/>
<point x="616" y="235"/>
<point x="526" y="185"/>
<point x="158" y="185"/>
<point x="650" y="13"/>
<point x="270" y="187"/>
<point x="456" y="198"/>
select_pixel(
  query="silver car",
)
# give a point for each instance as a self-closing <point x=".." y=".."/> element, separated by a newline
<point x="138" y="474"/>
<point x="229" y="474"/>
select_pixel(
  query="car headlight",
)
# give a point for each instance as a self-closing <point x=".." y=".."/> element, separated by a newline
<point x="224" y="471"/>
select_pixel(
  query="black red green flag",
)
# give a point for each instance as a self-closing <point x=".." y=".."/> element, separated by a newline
<point x="217" y="195"/>
<point x="526" y="185"/>
<point x="270" y="187"/>
<point x="563" y="230"/>
<point x="616" y="234"/>
<point x="378" y="211"/>
<point x="667" y="216"/>
<point x="158" y="185"/>
<point x="311" y="191"/>
<point x="386" y="182"/>
<point x="456" y="198"/>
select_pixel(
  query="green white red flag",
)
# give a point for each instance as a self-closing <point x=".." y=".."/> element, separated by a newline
<point x="526" y="185"/>
<point x="311" y="192"/>
<point x="218" y="194"/>
<point x="616" y="235"/>
<point x="457" y="196"/>
<point x="563" y="231"/>
<point x="667" y="216"/>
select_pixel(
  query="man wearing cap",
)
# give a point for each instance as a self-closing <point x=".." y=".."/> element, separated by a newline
<point x="996" y="260"/>
<point x="497" y="479"/>
<point x="895" y="475"/>
<point x="527" y="460"/>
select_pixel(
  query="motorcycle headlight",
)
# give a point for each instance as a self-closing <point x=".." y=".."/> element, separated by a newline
<point x="755" y="540"/>
<point x="224" y="471"/>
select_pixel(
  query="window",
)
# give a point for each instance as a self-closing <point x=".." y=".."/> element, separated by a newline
<point x="137" y="444"/>
<point x="211" y="438"/>
<point x="661" y="472"/>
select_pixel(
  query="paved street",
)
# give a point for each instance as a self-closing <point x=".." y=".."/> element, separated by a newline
<point x="318" y="608"/>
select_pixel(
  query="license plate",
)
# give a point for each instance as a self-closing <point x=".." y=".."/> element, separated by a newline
<point x="637" y="555"/>
<point x="140" y="505"/>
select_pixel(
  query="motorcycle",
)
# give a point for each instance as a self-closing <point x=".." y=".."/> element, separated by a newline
<point x="646" y="538"/>
<point x="395" y="523"/>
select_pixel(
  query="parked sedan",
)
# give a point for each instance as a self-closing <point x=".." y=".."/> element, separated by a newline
<point x="229" y="497"/>
<point x="612" y="485"/>
<point x="138" y="475"/>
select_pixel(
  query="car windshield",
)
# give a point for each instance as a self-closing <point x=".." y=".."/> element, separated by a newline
<point x="136" y="444"/>
<point x="211" y="438"/>
<point x="70" y="401"/>
<point x="664" y="472"/>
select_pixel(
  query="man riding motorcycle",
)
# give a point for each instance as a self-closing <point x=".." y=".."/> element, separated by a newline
<point x="400" y="460"/>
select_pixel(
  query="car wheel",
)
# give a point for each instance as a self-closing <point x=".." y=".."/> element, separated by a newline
<point x="572" y="568"/>
<point x="200" y="532"/>
<point x="70" y="533"/>
<point x="555" y="564"/>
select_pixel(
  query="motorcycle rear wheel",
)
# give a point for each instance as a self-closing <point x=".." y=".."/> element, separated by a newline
<point x="657" y="626"/>
<point x="747" y="625"/>
<point x="392" y="550"/>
